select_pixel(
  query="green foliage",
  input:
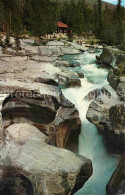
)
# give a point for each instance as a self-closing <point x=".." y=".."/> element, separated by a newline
<point x="39" y="18"/>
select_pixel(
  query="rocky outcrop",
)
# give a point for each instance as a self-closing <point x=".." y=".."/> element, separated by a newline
<point x="111" y="56"/>
<point x="30" y="166"/>
<point x="62" y="63"/>
<point x="116" y="184"/>
<point x="35" y="117"/>
<point x="113" y="79"/>
<point x="46" y="80"/>
<point x="117" y="82"/>
<point x="43" y="106"/>
<point x="106" y="56"/>
<point x="107" y="113"/>
<point x="68" y="79"/>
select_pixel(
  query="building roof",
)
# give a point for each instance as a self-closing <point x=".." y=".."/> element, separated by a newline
<point x="62" y="25"/>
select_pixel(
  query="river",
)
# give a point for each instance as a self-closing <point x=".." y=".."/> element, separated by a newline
<point x="90" y="142"/>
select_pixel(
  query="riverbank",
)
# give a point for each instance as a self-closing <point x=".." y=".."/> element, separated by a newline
<point x="37" y="121"/>
<point x="32" y="80"/>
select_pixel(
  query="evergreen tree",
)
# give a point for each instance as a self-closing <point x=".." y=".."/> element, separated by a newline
<point x="2" y="16"/>
<point x="99" y="19"/>
<point x="119" y="25"/>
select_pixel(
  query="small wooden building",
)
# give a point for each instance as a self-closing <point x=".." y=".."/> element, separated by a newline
<point x="62" y="28"/>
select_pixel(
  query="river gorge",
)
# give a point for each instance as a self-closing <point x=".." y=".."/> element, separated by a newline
<point x="90" y="142"/>
<point x="61" y="117"/>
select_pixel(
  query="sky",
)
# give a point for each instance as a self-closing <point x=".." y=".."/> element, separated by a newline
<point x="115" y="1"/>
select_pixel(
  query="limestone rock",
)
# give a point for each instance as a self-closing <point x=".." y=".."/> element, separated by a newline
<point x="113" y="79"/>
<point x="116" y="184"/>
<point x="42" y="105"/>
<point x="111" y="56"/>
<point x="106" y="57"/>
<point x="108" y="113"/>
<point x="68" y="79"/>
<point x="30" y="166"/>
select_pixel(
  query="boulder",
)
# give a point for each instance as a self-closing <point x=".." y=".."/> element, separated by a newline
<point x="80" y="73"/>
<point x="108" y="114"/>
<point x="43" y="106"/>
<point x="117" y="82"/>
<point x="68" y="79"/>
<point x="30" y="166"/>
<point x="106" y="56"/>
<point x="47" y="81"/>
<point x="62" y="63"/>
<point x="111" y="56"/>
<point x="113" y="79"/>
<point x="74" y="64"/>
<point x="116" y="184"/>
<point x="94" y="95"/>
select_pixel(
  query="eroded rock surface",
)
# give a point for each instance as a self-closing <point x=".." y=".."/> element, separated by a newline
<point x="41" y="105"/>
<point x="34" y="118"/>
<point x="68" y="79"/>
<point x="116" y="184"/>
<point x="107" y="113"/>
<point x="30" y="166"/>
<point x="111" y="56"/>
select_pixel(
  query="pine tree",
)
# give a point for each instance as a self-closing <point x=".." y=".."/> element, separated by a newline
<point x="99" y="19"/>
<point x="119" y="25"/>
<point x="2" y="16"/>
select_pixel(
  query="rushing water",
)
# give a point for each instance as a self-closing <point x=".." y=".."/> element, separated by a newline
<point x="90" y="142"/>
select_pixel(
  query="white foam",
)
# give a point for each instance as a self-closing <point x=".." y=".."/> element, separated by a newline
<point x="90" y="143"/>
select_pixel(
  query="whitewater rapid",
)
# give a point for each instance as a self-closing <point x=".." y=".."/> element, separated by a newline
<point x="90" y="142"/>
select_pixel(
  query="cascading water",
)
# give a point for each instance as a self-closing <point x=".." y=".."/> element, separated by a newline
<point x="90" y="142"/>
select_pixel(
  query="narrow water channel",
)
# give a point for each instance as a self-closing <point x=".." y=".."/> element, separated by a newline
<point x="90" y="142"/>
